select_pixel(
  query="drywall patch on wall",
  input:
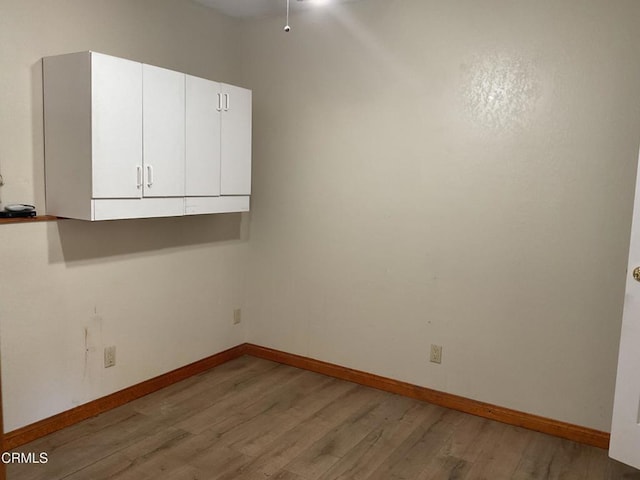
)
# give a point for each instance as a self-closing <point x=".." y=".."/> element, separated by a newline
<point x="501" y="91"/>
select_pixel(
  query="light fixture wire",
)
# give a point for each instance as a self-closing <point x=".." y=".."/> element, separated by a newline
<point x="287" y="28"/>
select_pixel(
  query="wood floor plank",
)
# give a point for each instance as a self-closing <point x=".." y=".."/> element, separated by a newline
<point x="206" y="393"/>
<point x="411" y="457"/>
<point x="219" y="461"/>
<point x="186" y="472"/>
<point x="537" y="459"/>
<point x="284" y="475"/>
<point x="501" y="459"/>
<point x="365" y="457"/>
<point x="186" y="452"/>
<point x="613" y="470"/>
<point x="570" y="462"/>
<point x="92" y="426"/>
<point x="250" y="430"/>
<point x="254" y="440"/>
<point x="131" y="461"/>
<point x="291" y="394"/>
<point x="332" y="447"/>
<point x="252" y="419"/>
<point x="197" y="417"/>
<point x="327" y="450"/>
<point x="272" y="414"/>
<point x="446" y="466"/>
<point x="86" y="450"/>
<point x="470" y="440"/>
<point x="601" y="467"/>
<point x="221" y="379"/>
<point x="293" y="442"/>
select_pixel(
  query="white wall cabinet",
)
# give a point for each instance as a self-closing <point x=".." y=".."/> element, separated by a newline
<point x="130" y="140"/>
<point x="218" y="168"/>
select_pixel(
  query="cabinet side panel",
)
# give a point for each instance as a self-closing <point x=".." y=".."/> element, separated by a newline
<point x="235" y="172"/>
<point x="202" y="137"/>
<point x="67" y="134"/>
<point x="117" y="127"/>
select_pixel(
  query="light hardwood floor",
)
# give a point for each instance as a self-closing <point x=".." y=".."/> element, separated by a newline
<point x="255" y="419"/>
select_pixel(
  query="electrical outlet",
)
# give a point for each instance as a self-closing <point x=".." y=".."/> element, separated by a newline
<point x="237" y="316"/>
<point x="436" y="354"/>
<point x="109" y="356"/>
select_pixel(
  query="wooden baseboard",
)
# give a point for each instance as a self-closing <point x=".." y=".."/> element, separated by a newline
<point x="557" y="428"/>
<point x="57" y="422"/>
<point x="569" y="431"/>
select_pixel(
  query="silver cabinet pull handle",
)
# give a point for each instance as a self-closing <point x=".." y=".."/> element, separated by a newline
<point x="149" y="176"/>
<point x="219" y="102"/>
<point x="139" y="176"/>
<point x="226" y="102"/>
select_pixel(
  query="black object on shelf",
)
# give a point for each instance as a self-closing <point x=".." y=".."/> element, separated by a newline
<point x="6" y="214"/>
<point x="18" y="211"/>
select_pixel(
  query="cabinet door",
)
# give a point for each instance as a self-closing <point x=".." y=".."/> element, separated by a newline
<point x="163" y="132"/>
<point x="116" y="127"/>
<point x="203" y="105"/>
<point x="235" y="171"/>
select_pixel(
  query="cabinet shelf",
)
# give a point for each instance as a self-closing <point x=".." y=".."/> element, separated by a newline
<point x="39" y="218"/>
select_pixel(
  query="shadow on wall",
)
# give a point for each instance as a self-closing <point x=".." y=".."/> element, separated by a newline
<point x="79" y="241"/>
<point x="82" y="241"/>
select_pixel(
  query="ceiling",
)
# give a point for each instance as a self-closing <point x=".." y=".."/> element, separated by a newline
<point x="256" y="8"/>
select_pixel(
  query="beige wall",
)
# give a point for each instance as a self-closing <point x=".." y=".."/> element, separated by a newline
<point x="163" y="290"/>
<point x="458" y="173"/>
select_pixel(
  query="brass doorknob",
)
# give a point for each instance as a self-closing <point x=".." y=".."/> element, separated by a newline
<point x="636" y="273"/>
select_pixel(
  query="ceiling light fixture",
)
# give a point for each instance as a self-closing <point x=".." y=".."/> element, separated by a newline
<point x="287" y="27"/>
